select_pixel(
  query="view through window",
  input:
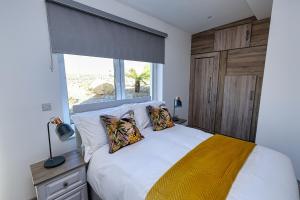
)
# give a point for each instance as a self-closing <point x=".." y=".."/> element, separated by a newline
<point x="94" y="79"/>
<point x="89" y="79"/>
<point x="137" y="79"/>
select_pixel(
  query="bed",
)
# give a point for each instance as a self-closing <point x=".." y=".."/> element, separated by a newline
<point x="129" y="173"/>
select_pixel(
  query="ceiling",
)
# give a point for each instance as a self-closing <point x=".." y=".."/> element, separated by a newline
<point x="199" y="15"/>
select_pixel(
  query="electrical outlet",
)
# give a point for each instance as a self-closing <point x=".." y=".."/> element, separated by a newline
<point x="46" y="107"/>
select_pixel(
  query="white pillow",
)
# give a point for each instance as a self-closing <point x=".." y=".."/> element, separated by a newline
<point x="141" y="114"/>
<point x="91" y="130"/>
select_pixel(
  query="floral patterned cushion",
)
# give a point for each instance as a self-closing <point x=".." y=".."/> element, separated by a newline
<point x="160" y="118"/>
<point x="121" y="132"/>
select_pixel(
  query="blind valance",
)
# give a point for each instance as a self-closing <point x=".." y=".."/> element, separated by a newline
<point x="82" y="30"/>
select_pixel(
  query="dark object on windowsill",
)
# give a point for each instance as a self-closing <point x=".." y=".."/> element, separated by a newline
<point x="64" y="132"/>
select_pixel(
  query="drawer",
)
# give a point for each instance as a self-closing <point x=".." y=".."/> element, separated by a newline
<point x="61" y="185"/>
<point x="79" y="193"/>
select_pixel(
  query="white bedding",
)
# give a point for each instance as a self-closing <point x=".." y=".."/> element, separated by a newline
<point x="130" y="173"/>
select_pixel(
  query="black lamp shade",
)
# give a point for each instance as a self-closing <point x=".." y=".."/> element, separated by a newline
<point x="64" y="131"/>
<point x="177" y="102"/>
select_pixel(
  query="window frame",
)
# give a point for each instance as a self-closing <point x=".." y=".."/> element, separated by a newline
<point x="119" y="76"/>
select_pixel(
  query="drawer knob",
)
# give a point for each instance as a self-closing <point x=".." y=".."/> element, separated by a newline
<point x="65" y="184"/>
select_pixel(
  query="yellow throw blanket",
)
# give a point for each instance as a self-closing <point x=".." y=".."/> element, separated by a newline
<point x="205" y="173"/>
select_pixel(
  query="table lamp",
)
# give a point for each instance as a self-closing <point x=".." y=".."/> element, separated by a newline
<point x="177" y="103"/>
<point x="64" y="132"/>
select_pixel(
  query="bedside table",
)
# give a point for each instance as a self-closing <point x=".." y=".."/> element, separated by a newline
<point x="180" y="121"/>
<point x="67" y="181"/>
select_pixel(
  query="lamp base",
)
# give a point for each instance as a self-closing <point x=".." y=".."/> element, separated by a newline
<point x="175" y="118"/>
<point x="54" y="162"/>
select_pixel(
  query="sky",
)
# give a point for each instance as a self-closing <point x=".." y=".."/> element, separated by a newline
<point x="82" y="65"/>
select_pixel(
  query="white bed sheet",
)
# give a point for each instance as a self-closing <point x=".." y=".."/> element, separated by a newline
<point x="129" y="173"/>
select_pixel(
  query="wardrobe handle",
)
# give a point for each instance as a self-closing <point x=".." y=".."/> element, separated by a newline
<point x="252" y="95"/>
<point x="209" y="90"/>
<point x="247" y="35"/>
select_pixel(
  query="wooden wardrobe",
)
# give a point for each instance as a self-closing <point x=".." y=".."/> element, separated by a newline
<point x="227" y="66"/>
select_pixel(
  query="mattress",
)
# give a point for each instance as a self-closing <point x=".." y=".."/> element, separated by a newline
<point x="129" y="173"/>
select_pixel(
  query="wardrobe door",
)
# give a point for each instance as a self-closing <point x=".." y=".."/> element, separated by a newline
<point x="238" y="103"/>
<point x="204" y="80"/>
<point x="203" y="42"/>
<point x="233" y="38"/>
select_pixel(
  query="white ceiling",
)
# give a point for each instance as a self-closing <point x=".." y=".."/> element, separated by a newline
<point x="261" y="8"/>
<point x="192" y="15"/>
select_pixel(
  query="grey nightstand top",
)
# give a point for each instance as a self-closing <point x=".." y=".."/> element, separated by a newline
<point x="41" y="174"/>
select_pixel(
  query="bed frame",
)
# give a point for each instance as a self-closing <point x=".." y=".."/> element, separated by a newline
<point x="92" y="194"/>
<point x="98" y="106"/>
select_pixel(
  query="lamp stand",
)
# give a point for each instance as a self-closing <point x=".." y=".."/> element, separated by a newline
<point x="174" y="118"/>
<point x="52" y="161"/>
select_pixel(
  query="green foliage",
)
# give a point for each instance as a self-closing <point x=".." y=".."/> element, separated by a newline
<point x="142" y="77"/>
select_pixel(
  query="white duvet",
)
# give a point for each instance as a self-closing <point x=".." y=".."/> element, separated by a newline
<point x="129" y="173"/>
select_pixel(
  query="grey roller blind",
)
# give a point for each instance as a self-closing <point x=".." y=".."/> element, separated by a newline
<point x="78" y="29"/>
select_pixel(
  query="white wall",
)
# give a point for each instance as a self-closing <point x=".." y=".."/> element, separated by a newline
<point x="279" y="118"/>
<point x="26" y="82"/>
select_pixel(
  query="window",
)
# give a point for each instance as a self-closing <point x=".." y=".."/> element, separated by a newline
<point x="94" y="80"/>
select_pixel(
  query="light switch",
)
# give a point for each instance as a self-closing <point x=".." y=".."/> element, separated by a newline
<point x="46" y="107"/>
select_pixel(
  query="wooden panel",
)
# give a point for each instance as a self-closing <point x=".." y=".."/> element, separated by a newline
<point x="237" y="23"/>
<point x="239" y="57"/>
<point x="214" y="90"/>
<point x="203" y="42"/>
<point x="258" y="88"/>
<point x="246" y="61"/>
<point x="260" y="32"/>
<point x="203" y="79"/>
<point x="232" y="38"/>
<point x="222" y="72"/>
<point x="203" y="87"/>
<point x="238" y="104"/>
